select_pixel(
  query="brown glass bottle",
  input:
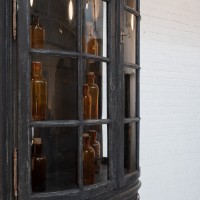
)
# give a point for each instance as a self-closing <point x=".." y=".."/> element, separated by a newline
<point x="38" y="167"/>
<point x="87" y="102"/>
<point x="37" y="33"/>
<point x="94" y="92"/>
<point x="38" y="92"/>
<point x="92" y="44"/>
<point x="88" y="161"/>
<point x="97" y="148"/>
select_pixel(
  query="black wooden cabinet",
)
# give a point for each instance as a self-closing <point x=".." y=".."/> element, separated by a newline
<point x="80" y="37"/>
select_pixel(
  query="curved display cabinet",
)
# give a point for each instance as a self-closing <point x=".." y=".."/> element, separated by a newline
<point x="72" y="69"/>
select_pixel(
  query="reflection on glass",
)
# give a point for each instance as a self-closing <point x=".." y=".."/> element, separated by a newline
<point x="129" y="148"/>
<point x="31" y="3"/>
<point x="95" y="138"/>
<point x="94" y="39"/>
<point x="62" y="77"/>
<point x="71" y="10"/>
<point x="131" y="3"/>
<point x="60" y="148"/>
<point x="96" y="77"/>
<point x="130" y="92"/>
<point x="130" y="38"/>
<point x="59" y="21"/>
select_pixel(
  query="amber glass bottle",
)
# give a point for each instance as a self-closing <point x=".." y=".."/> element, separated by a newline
<point x="38" y="167"/>
<point x="94" y="92"/>
<point x="38" y="92"/>
<point x="92" y="44"/>
<point x="87" y="102"/>
<point x="97" y="148"/>
<point x="88" y="161"/>
<point x="37" y="33"/>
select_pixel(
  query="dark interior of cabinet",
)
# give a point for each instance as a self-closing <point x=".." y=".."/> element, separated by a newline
<point x="54" y="16"/>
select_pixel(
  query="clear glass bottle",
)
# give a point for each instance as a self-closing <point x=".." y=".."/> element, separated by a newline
<point x="37" y="33"/>
<point x="97" y="148"/>
<point x="38" y="167"/>
<point x="94" y="92"/>
<point x="38" y="92"/>
<point x="88" y="161"/>
<point x="92" y="44"/>
<point x="87" y="102"/>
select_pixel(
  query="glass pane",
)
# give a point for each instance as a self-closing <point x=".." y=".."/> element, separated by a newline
<point x="95" y="79"/>
<point x="129" y="38"/>
<point x="53" y="24"/>
<point x="131" y="3"/>
<point x="54" y="88"/>
<point x="95" y="154"/>
<point x="54" y="156"/>
<point x="129" y="148"/>
<point x="130" y="92"/>
<point x="94" y="39"/>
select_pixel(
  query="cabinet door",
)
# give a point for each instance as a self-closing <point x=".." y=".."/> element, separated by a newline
<point x="131" y="70"/>
<point x="64" y="73"/>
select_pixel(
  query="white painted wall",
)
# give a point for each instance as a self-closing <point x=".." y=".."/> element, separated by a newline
<point x="170" y="100"/>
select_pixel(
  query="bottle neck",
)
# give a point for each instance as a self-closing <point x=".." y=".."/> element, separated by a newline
<point x="86" y="142"/>
<point x="85" y="90"/>
<point x="37" y="149"/>
<point x="93" y="136"/>
<point x="36" y="73"/>
<point x="35" y="20"/>
<point x="36" y="70"/>
<point x="90" y="79"/>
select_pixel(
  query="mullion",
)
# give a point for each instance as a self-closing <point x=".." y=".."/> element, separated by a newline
<point x="55" y="52"/>
<point x="69" y="123"/>
<point x="131" y="120"/>
<point x="55" y="123"/>
<point x="109" y="28"/>
<point x="80" y="94"/>
<point x="72" y="54"/>
<point x="132" y="66"/>
<point x="97" y="58"/>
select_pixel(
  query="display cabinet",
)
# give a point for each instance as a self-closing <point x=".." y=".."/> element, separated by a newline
<point x="70" y="97"/>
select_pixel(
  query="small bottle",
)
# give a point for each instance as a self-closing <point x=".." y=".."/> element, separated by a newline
<point x="94" y="92"/>
<point x="88" y="161"/>
<point x="38" y="92"/>
<point x="37" y="33"/>
<point x="87" y="102"/>
<point x="92" y="44"/>
<point x="97" y="147"/>
<point x="38" y="167"/>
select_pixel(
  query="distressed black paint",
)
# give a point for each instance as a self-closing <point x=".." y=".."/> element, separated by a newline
<point x="14" y="93"/>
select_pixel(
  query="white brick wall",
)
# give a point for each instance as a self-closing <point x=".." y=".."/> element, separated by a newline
<point x="170" y="100"/>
